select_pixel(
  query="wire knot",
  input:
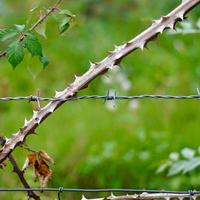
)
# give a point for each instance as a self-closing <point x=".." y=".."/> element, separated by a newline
<point x="191" y="193"/>
<point x="33" y="98"/>
<point x="110" y="96"/>
<point x="60" y="190"/>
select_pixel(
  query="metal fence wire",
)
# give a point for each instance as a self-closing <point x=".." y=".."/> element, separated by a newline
<point x="102" y="97"/>
<point x="190" y="194"/>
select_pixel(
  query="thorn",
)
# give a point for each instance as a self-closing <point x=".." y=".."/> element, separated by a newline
<point x="142" y="46"/>
<point x="70" y="94"/>
<point x="112" y="195"/>
<point x="6" y="139"/>
<point x="130" y="41"/>
<point x="35" y="113"/>
<point x="112" y="67"/>
<point x="51" y="110"/>
<point x="113" y="51"/>
<point x="181" y="16"/>
<point x="119" y="48"/>
<point x="144" y="193"/>
<point x="110" y="52"/>
<point x="38" y="101"/>
<point x="14" y="134"/>
<point x="171" y="26"/>
<point x="164" y="18"/>
<point x="92" y="65"/>
<point x="155" y="21"/>
<point x="83" y="198"/>
<point x="76" y="77"/>
<point x="25" y="122"/>
<point x="198" y="92"/>
<point x="58" y="94"/>
<point x="116" y="47"/>
<point x="102" y="61"/>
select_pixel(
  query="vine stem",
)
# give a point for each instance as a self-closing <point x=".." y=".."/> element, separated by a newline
<point x="40" y="20"/>
<point x="150" y="196"/>
<point x="96" y="69"/>
<point x="20" y="174"/>
<point x="49" y="11"/>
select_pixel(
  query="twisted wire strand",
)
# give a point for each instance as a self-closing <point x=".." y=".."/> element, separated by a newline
<point x="89" y="190"/>
<point x="101" y="97"/>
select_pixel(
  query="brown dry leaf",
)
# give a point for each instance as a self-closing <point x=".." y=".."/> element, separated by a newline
<point x="42" y="172"/>
<point x="30" y="161"/>
<point x="39" y="162"/>
<point x="44" y="156"/>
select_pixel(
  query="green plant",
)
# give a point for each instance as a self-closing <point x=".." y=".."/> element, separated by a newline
<point x="20" y="37"/>
<point x="184" y="162"/>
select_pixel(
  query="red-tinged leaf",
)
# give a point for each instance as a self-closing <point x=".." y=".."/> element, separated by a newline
<point x="39" y="162"/>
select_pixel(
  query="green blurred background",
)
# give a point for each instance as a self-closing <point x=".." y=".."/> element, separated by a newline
<point x="96" y="145"/>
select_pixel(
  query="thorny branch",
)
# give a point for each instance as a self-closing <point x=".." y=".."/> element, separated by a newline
<point x="20" y="173"/>
<point x="150" y="196"/>
<point x="40" y="20"/>
<point x="95" y="70"/>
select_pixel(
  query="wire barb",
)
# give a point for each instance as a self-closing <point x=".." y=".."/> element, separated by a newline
<point x="60" y="190"/>
<point x="191" y="193"/>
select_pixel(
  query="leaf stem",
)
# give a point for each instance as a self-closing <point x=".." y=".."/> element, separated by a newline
<point x="40" y="20"/>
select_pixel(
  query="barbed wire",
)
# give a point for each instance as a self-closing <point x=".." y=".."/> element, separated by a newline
<point x="89" y="190"/>
<point x="147" y="193"/>
<point x="101" y="97"/>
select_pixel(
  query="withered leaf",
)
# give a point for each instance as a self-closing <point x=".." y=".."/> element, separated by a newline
<point x="44" y="156"/>
<point x="38" y="160"/>
<point x="30" y="161"/>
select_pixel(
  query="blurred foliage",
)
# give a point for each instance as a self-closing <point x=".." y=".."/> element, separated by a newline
<point x="92" y="145"/>
<point x="185" y="161"/>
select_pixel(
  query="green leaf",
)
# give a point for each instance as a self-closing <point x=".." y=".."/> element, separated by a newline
<point x="163" y="167"/>
<point x="65" y="20"/>
<point x="198" y="23"/>
<point x="66" y="13"/>
<point x="15" y="53"/>
<point x="8" y="33"/>
<point x="187" y="153"/>
<point x="64" y="25"/>
<point x="33" y="45"/>
<point x="44" y="60"/>
<point x="177" y="167"/>
<point x="191" y="164"/>
<point x="19" y="27"/>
